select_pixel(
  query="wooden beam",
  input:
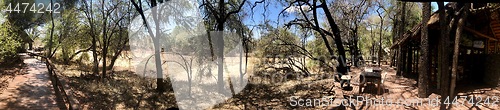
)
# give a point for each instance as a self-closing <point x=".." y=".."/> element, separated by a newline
<point x="495" y="25"/>
<point x="479" y="34"/>
<point x="497" y="32"/>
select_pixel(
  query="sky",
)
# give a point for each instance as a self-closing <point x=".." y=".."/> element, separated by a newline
<point x="434" y="4"/>
<point x="272" y="12"/>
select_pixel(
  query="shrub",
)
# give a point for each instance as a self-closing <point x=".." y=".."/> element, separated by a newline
<point x="9" y="44"/>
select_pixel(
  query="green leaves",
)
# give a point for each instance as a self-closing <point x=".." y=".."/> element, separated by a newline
<point x="278" y="42"/>
<point x="9" y="42"/>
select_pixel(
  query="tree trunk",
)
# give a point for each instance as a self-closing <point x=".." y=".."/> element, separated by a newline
<point x="342" y="68"/>
<point x="401" y="30"/>
<point x="356" y="51"/>
<point x="94" y="55"/>
<point x="402" y="58"/>
<point x="94" y="48"/>
<point x="402" y="24"/>
<point x="379" y="54"/>
<point x="160" y="84"/>
<point x="220" y="46"/>
<point x="443" y="65"/>
<point x="49" y="55"/>
<point x="409" y="60"/>
<point x="116" y="55"/>
<point x="104" y="41"/>
<point x="372" y="52"/>
<point x="65" y="55"/>
<point x="104" y="58"/>
<point x="393" y="58"/>
<point x="423" y="79"/>
<point x="456" y="48"/>
<point x="323" y="36"/>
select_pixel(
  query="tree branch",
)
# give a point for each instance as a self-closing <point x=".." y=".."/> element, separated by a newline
<point x="235" y="11"/>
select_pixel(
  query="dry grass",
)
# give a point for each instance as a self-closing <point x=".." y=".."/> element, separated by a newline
<point x="122" y="89"/>
<point x="126" y="90"/>
<point x="277" y="95"/>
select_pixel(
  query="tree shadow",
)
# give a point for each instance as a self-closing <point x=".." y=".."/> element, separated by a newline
<point x="123" y="90"/>
<point x="34" y="95"/>
<point x="372" y="88"/>
<point x="473" y="87"/>
<point x="9" y="70"/>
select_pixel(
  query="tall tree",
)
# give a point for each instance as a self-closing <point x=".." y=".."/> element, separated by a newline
<point x="401" y="27"/>
<point x="382" y="13"/>
<point x="90" y="17"/>
<point x="49" y="53"/>
<point x="443" y="65"/>
<point x="313" y="23"/>
<point x="221" y="14"/>
<point x="424" y="66"/>
<point x="160" y="83"/>
<point x="456" y="48"/>
<point x="112" y="14"/>
<point x="350" y="14"/>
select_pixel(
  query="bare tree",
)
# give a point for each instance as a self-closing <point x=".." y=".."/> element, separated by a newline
<point x="220" y="13"/>
<point x="110" y="27"/>
<point x="160" y="83"/>
<point x="313" y="24"/>
<point x="89" y="14"/>
<point x="351" y="14"/>
<point x="382" y="13"/>
<point x="401" y="29"/>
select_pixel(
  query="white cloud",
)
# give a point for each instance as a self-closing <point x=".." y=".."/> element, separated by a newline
<point x="294" y="9"/>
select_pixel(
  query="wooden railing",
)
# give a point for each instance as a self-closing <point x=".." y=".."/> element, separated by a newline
<point x="58" y="86"/>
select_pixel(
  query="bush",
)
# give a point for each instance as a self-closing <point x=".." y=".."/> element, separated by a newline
<point x="8" y="42"/>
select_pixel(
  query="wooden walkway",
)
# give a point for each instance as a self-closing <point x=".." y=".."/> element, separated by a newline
<point x="32" y="90"/>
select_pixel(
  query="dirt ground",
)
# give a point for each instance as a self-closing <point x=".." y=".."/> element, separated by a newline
<point x="127" y="90"/>
<point x="29" y="86"/>
<point x="398" y="93"/>
<point x="8" y="70"/>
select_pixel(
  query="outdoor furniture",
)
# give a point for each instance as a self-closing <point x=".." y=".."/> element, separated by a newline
<point x="372" y="75"/>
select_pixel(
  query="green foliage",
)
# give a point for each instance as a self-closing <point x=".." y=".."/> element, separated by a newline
<point x="67" y="28"/>
<point x="318" y="50"/>
<point x="278" y="42"/>
<point x="414" y="15"/>
<point x="23" y="20"/>
<point x="9" y="42"/>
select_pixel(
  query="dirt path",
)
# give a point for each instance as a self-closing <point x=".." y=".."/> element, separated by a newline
<point x="32" y="90"/>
